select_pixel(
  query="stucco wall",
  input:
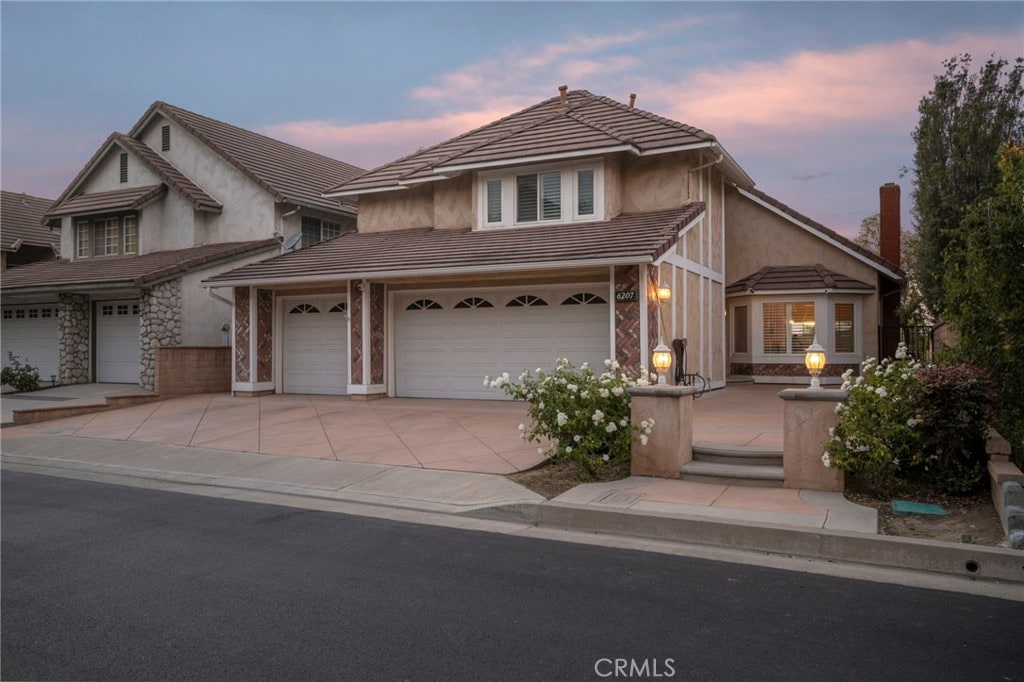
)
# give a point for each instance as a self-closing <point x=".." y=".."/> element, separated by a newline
<point x="248" y="209"/>
<point x="176" y="226"/>
<point x="653" y="183"/>
<point x="397" y="210"/>
<point x="203" y="317"/>
<point x="453" y="203"/>
<point x="107" y="176"/>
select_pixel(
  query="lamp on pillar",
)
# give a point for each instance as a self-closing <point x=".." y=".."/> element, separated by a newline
<point x="814" y="360"/>
<point x="664" y="293"/>
<point x="662" y="360"/>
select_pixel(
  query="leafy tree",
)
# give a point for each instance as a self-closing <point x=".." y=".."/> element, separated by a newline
<point x="986" y="292"/>
<point x="964" y="121"/>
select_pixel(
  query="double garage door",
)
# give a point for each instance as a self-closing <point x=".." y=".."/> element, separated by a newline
<point x="30" y="332"/>
<point x="446" y="342"/>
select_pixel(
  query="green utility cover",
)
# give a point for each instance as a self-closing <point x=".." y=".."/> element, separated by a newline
<point x="904" y="508"/>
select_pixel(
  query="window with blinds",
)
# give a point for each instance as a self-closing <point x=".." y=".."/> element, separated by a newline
<point x="564" y="194"/>
<point x="843" y="328"/>
<point x="787" y="328"/>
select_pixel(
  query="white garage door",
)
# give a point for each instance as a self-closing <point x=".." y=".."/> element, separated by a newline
<point x="117" y="342"/>
<point x="30" y="332"/>
<point x="447" y="342"/>
<point x="315" y="346"/>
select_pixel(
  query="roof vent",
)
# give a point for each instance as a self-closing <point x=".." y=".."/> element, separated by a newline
<point x="632" y="99"/>
<point x="563" y="92"/>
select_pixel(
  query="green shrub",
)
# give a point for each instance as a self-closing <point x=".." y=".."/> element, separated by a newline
<point x="955" y="404"/>
<point x="18" y="375"/>
<point x="584" y="415"/>
<point x="879" y="427"/>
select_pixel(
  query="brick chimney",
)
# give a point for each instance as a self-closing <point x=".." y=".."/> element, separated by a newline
<point x="889" y="222"/>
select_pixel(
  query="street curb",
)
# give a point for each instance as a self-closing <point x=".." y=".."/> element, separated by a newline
<point x="500" y="511"/>
<point x="972" y="561"/>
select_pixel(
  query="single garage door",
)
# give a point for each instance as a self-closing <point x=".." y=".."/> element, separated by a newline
<point x="30" y="332"/>
<point x="117" y="342"/>
<point x="315" y="352"/>
<point x="447" y="342"/>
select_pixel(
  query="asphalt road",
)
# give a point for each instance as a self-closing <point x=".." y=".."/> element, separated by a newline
<point x="110" y="582"/>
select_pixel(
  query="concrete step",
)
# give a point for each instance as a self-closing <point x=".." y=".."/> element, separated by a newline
<point x="733" y="474"/>
<point x="723" y="453"/>
<point x="739" y="379"/>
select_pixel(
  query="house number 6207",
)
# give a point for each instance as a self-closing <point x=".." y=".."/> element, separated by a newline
<point x="627" y="295"/>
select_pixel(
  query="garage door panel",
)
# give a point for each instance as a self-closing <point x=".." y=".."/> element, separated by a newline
<point x="446" y="352"/>
<point x="117" y="342"/>
<point x="315" y="353"/>
<point x="30" y="332"/>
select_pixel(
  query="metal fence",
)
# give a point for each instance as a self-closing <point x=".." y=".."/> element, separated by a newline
<point x="918" y="339"/>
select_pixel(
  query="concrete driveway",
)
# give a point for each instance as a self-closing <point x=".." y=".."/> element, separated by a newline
<point x="457" y="435"/>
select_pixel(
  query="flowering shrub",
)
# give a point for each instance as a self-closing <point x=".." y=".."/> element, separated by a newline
<point x="583" y="414"/>
<point x="879" y="426"/>
<point x="19" y="375"/>
<point x="957" y="402"/>
<point x="904" y="421"/>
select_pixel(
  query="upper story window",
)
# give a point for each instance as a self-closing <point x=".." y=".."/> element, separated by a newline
<point x="554" y="195"/>
<point x="316" y="230"/>
<point x="106" y="236"/>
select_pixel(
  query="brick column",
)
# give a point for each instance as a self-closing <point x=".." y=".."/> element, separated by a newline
<point x="253" y="324"/>
<point x="627" y="317"/>
<point x="366" y="340"/>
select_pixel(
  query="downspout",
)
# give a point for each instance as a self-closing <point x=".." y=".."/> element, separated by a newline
<point x="689" y="182"/>
<point x="226" y="327"/>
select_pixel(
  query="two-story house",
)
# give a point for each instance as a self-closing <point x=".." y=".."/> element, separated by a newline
<point x="179" y="198"/>
<point x="579" y="227"/>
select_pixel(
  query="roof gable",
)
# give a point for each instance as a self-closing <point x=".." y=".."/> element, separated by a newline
<point x="288" y="173"/>
<point x="581" y="123"/>
<point x="829" y="235"/>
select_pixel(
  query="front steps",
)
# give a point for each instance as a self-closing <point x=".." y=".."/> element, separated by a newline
<point x="734" y="465"/>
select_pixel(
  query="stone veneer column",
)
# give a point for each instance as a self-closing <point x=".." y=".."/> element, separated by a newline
<point x="807" y="416"/>
<point x="73" y="334"/>
<point x="627" y="317"/>
<point x="366" y="340"/>
<point x="241" y="333"/>
<point x="159" y="326"/>
<point x="670" y="444"/>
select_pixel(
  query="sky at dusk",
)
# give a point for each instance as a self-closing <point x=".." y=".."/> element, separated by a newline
<point x="816" y="101"/>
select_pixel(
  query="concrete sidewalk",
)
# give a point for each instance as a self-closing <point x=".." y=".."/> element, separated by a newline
<point x="807" y="524"/>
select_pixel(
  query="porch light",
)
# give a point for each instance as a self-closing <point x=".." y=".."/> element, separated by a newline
<point x="815" y="361"/>
<point x="662" y="360"/>
<point x="664" y="293"/>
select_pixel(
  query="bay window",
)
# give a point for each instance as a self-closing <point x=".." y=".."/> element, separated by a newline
<point x="843" y="328"/>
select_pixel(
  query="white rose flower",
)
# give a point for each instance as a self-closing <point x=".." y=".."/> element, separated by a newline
<point x="597" y="416"/>
<point x="577" y="438"/>
<point x="643" y="439"/>
<point x="604" y="457"/>
<point x="487" y="382"/>
<point x="603" y="392"/>
<point x="540" y="451"/>
<point x="617" y="391"/>
<point x="568" y="449"/>
<point x="522" y="427"/>
<point x="611" y="428"/>
<point x="562" y="418"/>
<point x="572" y="388"/>
<point x="826" y="460"/>
<point x="623" y="421"/>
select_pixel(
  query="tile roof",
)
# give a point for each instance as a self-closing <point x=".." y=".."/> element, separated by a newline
<point x="289" y="173"/>
<point x="796" y="278"/>
<point x="585" y="123"/>
<point x="825" y="231"/>
<point x="168" y="173"/>
<point x="133" y="271"/>
<point x="21" y="217"/>
<point x="96" y="202"/>
<point x="629" y="238"/>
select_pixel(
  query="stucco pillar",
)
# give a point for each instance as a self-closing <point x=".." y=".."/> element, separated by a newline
<point x="366" y="340"/>
<point x="670" y="444"/>
<point x="808" y="414"/>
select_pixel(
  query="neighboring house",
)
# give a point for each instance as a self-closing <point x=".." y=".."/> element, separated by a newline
<point x="179" y="198"/>
<point x="547" y="234"/>
<point x="23" y="237"/>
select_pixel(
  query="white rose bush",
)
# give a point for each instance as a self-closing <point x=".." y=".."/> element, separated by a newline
<point x="584" y="415"/>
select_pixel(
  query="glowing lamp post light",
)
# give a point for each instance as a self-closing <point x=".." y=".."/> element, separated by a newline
<point x="815" y="361"/>
<point x="662" y="360"/>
